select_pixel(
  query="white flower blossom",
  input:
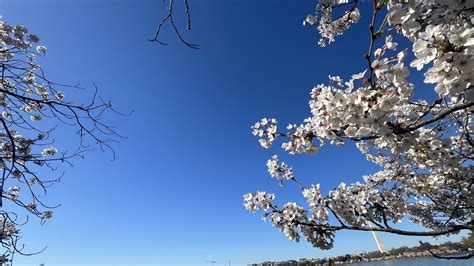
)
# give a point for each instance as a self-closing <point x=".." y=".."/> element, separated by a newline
<point x="47" y="215"/>
<point x="49" y="151"/>
<point x="59" y="95"/>
<point x="259" y="200"/>
<point x="41" y="49"/>
<point x="265" y="129"/>
<point x="14" y="192"/>
<point x="279" y="171"/>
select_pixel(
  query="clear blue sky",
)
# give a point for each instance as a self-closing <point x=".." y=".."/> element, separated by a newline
<point x="174" y="194"/>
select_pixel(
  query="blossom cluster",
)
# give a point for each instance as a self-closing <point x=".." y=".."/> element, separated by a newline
<point x="317" y="203"/>
<point x="7" y="228"/>
<point x="329" y="27"/>
<point x="288" y="219"/>
<point x="259" y="200"/>
<point x="279" y="171"/>
<point x="446" y="39"/>
<point x="300" y="139"/>
<point x="266" y="129"/>
<point x="16" y="41"/>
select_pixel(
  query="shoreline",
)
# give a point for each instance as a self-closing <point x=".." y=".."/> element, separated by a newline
<point x="424" y="250"/>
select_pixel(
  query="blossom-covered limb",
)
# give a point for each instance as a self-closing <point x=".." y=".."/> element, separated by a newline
<point x="425" y="150"/>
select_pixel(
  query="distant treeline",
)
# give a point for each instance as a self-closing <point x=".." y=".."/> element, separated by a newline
<point x="465" y="246"/>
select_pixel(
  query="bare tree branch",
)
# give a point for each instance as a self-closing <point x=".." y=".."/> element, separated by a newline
<point x="169" y="18"/>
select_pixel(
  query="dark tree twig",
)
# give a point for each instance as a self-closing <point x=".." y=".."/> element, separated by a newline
<point x="169" y="18"/>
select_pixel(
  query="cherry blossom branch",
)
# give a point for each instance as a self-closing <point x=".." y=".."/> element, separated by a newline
<point x="327" y="227"/>
<point x="397" y="128"/>
<point x="448" y="230"/>
<point x="424" y="150"/>
<point x="439" y="116"/>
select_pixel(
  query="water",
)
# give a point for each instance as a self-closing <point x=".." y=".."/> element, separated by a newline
<point x="420" y="262"/>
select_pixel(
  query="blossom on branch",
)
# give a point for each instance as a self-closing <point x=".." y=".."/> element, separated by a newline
<point x="425" y="149"/>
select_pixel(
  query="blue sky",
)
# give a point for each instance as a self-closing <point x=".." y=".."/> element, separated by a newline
<point x="174" y="194"/>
